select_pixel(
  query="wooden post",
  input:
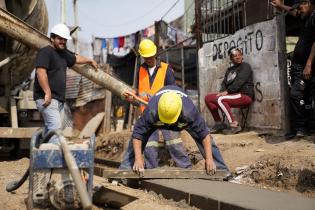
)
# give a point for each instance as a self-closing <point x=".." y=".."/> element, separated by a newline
<point x="13" y="113"/>
<point x="198" y="24"/>
<point x="131" y="107"/>
<point x="157" y="34"/>
<point x="183" y="66"/>
<point x="284" y="88"/>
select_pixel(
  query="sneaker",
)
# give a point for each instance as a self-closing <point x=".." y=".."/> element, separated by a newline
<point x="301" y="133"/>
<point x="228" y="177"/>
<point x="290" y="135"/>
<point x="232" y="130"/>
<point x="218" y="128"/>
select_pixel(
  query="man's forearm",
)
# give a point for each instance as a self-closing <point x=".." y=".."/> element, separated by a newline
<point x="288" y="9"/>
<point x="43" y="80"/>
<point x="83" y="60"/>
<point x="311" y="57"/>
<point x="206" y="142"/>
<point x="137" y="147"/>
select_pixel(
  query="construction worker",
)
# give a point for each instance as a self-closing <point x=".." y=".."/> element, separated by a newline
<point x="302" y="68"/>
<point x="50" y="80"/>
<point x="151" y="77"/>
<point x="172" y="109"/>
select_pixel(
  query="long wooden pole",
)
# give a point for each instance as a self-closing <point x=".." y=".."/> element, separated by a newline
<point x="31" y="37"/>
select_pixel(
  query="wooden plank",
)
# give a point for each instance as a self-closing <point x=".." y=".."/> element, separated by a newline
<point x="21" y="133"/>
<point x="17" y="133"/>
<point x="162" y="174"/>
<point x="13" y="113"/>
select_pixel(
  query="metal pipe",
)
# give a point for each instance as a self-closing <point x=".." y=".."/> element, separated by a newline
<point x="7" y="60"/>
<point x="31" y="37"/>
<point x="75" y="172"/>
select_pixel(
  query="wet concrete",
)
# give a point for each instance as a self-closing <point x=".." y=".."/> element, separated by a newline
<point x="206" y="194"/>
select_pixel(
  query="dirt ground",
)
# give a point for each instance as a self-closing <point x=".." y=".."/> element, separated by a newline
<point x="259" y="160"/>
<point x="14" y="169"/>
<point x="262" y="161"/>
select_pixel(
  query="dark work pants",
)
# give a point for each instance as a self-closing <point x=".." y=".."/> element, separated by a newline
<point x="129" y="157"/>
<point x="174" y="146"/>
<point x="301" y="94"/>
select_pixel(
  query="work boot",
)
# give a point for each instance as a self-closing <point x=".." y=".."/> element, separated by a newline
<point x="228" y="177"/>
<point x="218" y="128"/>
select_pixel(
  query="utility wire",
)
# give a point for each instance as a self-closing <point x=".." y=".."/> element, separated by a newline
<point x="170" y="9"/>
<point x="127" y="22"/>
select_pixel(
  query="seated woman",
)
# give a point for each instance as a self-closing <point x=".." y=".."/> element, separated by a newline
<point x="237" y="91"/>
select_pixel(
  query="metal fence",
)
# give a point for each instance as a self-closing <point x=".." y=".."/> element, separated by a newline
<point x="219" y="18"/>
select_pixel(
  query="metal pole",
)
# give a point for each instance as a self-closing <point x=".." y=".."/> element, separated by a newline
<point x="157" y="34"/>
<point x="76" y="39"/>
<point x="63" y="11"/>
<point x="183" y="66"/>
<point x="22" y="32"/>
<point x="75" y="173"/>
<point x="198" y="24"/>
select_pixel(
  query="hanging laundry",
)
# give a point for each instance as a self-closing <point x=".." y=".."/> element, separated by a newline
<point x="121" y="41"/>
<point x="110" y="44"/>
<point x="97" y="46"/>
<point x="116" y="42"/>
<point x="171" y="33"/>
<point x="163" y="29"/>
<point x="130" y="41"/>
<point x="104" y="44"/>
<point x="150" y="31"/>
<point x="181" y="36"/>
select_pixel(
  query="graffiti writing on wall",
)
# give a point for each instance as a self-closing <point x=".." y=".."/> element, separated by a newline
<point x="247" y="42"/>
<point x="259" y="97"/>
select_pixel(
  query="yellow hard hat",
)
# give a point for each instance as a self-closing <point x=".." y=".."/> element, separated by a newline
<point x="147" y="48"/>
<point x="169" y="107"/>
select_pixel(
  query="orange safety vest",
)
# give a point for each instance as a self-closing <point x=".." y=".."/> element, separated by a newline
<point x="145" y="91"/>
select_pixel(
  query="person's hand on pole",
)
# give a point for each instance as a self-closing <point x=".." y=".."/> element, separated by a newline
<point x="94" y="64"/>
<point x="129" y="96"/>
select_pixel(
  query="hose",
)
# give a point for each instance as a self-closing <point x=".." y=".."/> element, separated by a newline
<point x="14" y="185"/>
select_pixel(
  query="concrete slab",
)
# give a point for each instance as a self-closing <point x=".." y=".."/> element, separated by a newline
<point x="207" y="194"/>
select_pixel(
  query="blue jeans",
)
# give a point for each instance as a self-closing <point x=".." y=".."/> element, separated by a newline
<point x="52" y="116"/>
<point x="174" y="146"/>
<point x="129" y="157"/>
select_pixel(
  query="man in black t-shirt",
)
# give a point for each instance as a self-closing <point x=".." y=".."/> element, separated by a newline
<point x="302" y="69"/>
<point x="50" y="80"/>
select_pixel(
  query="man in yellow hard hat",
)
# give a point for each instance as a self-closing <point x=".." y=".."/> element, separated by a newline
<point x="151" y="77"/>
<point x="172" y="109"/>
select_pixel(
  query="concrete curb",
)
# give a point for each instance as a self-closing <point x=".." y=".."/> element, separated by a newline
<point x="213" y="195"/>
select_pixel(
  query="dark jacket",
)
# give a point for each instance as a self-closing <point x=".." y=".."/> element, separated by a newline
<point x="189" y="119"/>
<point x="239" y="79"/>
